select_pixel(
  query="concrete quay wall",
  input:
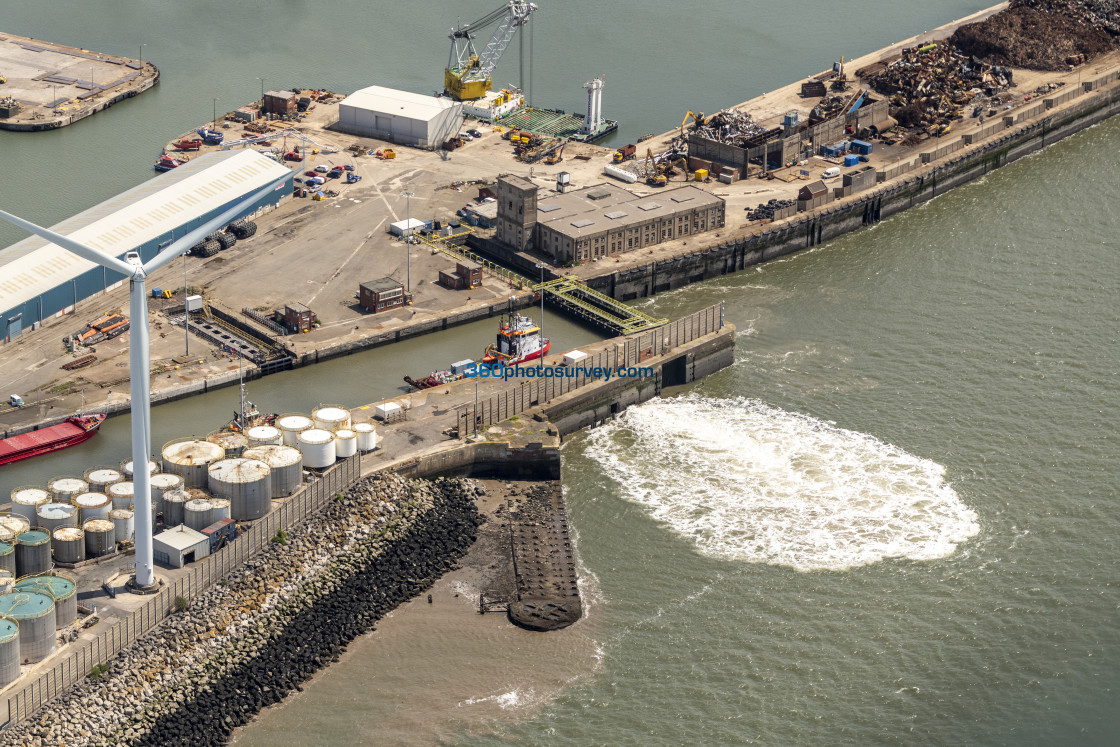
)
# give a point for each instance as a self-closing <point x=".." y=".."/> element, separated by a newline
<point x="53" y="124"/>
<point x="910" y="188"/>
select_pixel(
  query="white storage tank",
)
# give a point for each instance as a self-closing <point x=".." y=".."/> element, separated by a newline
<point x="8" y="557"/>
<point x="232" y="443"/>
<point x="101" y="537"/>
<point x="129" y="473"/>
<point x="33" y="552"/>
<point x="330" y="417"/>
<point x="26" y="500"/>
<point x="345" y="443"/>
<point x="264" y="435"/>
<point x="64" y="488"/>
<point x="59" y="587"/>
<point x="286" y="465"/>
<point x="69" y="545"/>
<point x="197" y="513"/>
<point x="367" y="436"/>
<point x="9" y="651"/>
<point x="11" y="526"/>
<point x="246" y="483"/>
<point x="190" y="458"/>
<point x="100" y="478"/>
<point x="94" y="505"/>
<point x="163" y="482"/>
<point x="317" y="447"/>
<point x="124" y="524"/>
<point x="51" y="516"/>
<point x="122" y="494"/>
<point x="173" y="502"/>
<point x="220" y="509"/>
<point x="7" y="581"/>
<point x="35" y="614"/>
<point x="291" y="425"/>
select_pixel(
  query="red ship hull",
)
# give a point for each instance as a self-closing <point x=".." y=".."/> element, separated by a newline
<point x="35" y="443"/>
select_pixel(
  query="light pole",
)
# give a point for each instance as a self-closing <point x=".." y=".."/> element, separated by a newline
<point x="540" y="266"/>
<point x="140" y="59"/>
<point x="186" y="311"/>
<point x="474" y="414"/>
<point x="262" y="92"/>
<point x="214" y="123"/>
<point x="408" y="239"/>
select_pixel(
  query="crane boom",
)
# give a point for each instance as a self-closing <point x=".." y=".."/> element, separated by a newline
<point x="468" y="73"/>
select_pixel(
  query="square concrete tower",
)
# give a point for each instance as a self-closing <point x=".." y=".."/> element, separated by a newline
<point x="517" y="211"/>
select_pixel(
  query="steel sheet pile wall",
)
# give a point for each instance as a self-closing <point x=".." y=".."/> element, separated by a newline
<point x="984" y="132"/>
<point x="1027" y="112"/>
<point x="1069" y="94"/>
<point x="1101" y="82"/>
<point x="25" y="700"/>
<point x="626" y="354"/>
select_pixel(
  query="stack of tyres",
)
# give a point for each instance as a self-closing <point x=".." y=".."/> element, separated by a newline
<point x="226" y="240"/>
<point x="242" y="229"/>
<point x="206" y="249"/>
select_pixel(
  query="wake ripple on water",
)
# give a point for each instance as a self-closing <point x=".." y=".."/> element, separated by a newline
<point x="746" y="481"/>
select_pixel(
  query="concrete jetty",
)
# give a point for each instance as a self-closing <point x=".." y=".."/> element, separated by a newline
<point x="53" y="85"/>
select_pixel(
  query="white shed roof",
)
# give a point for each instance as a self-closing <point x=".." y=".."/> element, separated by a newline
<point x="120" y="224"/>
<point x="181" y="537"/>
<point x="383" y="100"/>
<point x="405" y="225"/>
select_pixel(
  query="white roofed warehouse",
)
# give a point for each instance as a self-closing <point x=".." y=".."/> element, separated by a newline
<point x="40" y="280"/>
<point x="400" y="116"/>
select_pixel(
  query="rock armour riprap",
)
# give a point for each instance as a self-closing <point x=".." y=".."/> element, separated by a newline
<point x="289" y="612"/>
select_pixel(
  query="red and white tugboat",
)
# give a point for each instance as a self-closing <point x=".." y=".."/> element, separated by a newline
<point x="519" y="341"/>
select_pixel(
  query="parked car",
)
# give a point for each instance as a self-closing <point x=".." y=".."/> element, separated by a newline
<point x="322" y="169"/>
<point x="466" y="137"/>
<point x="349" y="167"/>
<point x="298" y="180"/>
<point x="831" y="173"/>
<point x="309" y="173"/>
<point x="474" y="133"/>
<point x="315" y="181"/>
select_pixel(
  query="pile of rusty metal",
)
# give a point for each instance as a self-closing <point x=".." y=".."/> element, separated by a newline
<point x="930" y="86"/>
<point x="732" y="127"/>
<point x="1043" y="34"/>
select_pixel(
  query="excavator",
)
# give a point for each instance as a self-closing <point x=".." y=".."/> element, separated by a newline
<point x="467" y="76"/>
<point x="654" y="175"/>
<point x="557" y="155"/>
<point x="697" y="118"/>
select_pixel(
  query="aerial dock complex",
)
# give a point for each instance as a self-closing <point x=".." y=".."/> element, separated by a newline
<point x="425" y="212"/>
<point x="44" y="86"/>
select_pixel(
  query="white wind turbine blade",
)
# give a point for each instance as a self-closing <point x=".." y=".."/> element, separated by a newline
<point x="186" y="242"/>
<point x="82" y="250"/>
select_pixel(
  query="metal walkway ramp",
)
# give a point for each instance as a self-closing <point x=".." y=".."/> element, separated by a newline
<point x="567" y="293"/>
<point x="598" y="308"/>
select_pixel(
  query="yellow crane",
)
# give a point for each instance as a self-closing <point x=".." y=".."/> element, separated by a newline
<point x="467" y="76"/>
<point x="654" y="177"/>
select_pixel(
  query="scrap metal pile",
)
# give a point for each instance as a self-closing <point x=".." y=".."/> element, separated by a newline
<point x="766" y="211"/>
<point x="1043" y="34"/>
<point x="730" y="127"/>
<point x="929" y="86"/>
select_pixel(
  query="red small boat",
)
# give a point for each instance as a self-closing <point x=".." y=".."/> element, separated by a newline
<point x="70" y="433"/>
<point x="188" y="144"/>
<point x="519" y="341"/>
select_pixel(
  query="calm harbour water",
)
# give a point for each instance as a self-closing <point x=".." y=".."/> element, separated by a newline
<point x="891" y="521"/>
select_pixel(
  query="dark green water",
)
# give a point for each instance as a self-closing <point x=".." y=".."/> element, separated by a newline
<point x="892" y="521"/>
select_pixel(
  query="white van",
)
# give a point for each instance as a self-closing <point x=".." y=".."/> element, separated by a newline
<point x="830" y="173"/>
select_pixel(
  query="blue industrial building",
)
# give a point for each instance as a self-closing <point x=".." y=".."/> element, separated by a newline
<point x="40" y="280"/>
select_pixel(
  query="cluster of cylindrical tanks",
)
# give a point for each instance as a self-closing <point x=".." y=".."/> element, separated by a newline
<point x="31" y="610"/>
<point x="227" y="475"/>
<point x="327" y="435"/>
